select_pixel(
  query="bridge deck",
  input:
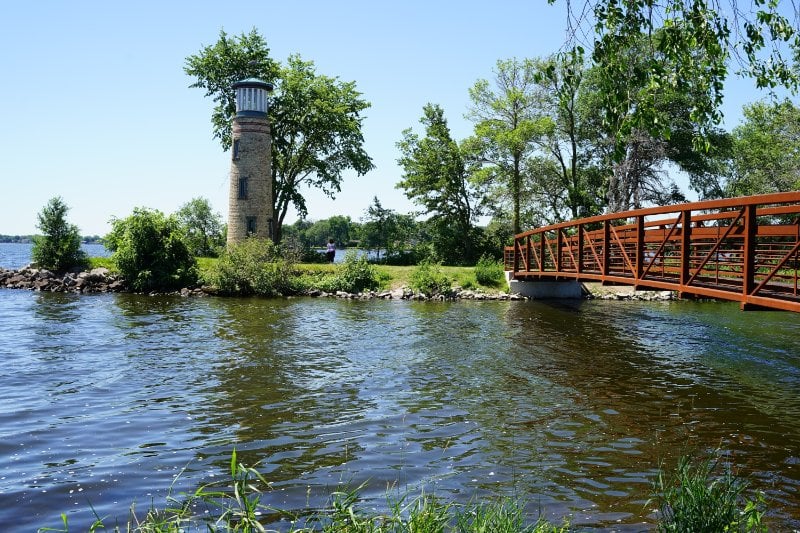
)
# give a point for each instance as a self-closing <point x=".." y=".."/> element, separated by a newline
<point x="743" y="249"/>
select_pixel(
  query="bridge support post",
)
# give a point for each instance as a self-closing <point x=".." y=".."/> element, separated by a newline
<point x="546" y="289"/>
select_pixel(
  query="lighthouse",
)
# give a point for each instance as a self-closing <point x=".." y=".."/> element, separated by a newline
<point x="250" y="211"/>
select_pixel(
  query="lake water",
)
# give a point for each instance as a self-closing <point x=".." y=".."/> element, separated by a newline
<point x="570" y="406"/>
<point x="17" y="255"/>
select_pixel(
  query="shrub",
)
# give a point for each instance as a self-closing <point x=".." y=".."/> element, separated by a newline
<point x="149" y="251"/>
<point x="705" y="496"/>
<point x="353" y="275"/>
<point x="254" y="266"/>
<point x="488" y="271"/>
<point x="429" y="279"/>
<point x="59" y="246"/>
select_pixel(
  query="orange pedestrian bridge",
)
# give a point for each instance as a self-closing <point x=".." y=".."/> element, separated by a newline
<point x="743" y="249"/>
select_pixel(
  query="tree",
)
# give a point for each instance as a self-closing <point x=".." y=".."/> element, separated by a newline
<point x="316" y="120"/>
<point x="687" y="50"/>
<point x="149" y="251"/>
<point x="568" y="177"/>
<point x="637" y="153"/>
<point x="217" y="67"/>
<point x="505" y="126"/>
<point x="384" y="229"/>
<point x="201" y="226"/>
<point x="766" y="150"/>
<point x="436" y="177"/>
<point x="341" y="228"/>
<point x="59" y="246"/>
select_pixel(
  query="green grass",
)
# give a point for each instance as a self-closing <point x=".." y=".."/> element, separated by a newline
<point x="705" y="496"/>
<point x="390" y="277"/>
<point x="102" y="262"/>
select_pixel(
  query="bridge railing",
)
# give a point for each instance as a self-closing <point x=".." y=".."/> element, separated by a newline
<point x="744" y="249"/>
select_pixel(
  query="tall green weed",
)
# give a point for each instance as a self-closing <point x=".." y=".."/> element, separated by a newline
<point x="705" y="496"/>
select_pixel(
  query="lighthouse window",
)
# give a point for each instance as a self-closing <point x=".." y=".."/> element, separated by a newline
<point x="251" y="225"/>
<point x="236" y="149"/>
<point x="243" y="188"/>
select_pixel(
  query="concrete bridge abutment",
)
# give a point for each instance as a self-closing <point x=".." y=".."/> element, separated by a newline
<point x="542" y="290"/>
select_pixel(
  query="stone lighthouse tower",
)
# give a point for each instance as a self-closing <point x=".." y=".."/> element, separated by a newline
<point x="250" y="201"/>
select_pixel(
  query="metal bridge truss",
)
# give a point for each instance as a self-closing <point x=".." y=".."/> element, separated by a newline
<point x="742" y="249"/>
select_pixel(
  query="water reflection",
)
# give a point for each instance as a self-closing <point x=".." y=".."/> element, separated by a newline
<point x="569" y="406"/>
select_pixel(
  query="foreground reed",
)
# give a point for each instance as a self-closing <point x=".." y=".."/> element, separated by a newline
<point x="697" y="497"/>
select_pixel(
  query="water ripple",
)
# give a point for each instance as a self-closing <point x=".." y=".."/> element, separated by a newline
<point x="570" y="406"/>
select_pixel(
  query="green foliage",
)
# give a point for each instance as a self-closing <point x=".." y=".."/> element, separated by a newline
<point x="149" y="251"/>
<point x="705" y="496"/>
<point x="385" y="230"/>
<point x="766" y="150"/>
<point x="101" y="262"/>
<point x="217" y="67"/>
<point x="339" y="228"/>
<point x="59" y="246"/>
<point x="201" y="227"/>
<point x="506" y="124"/>
<point x="353" y="275"/>
<point x="566" y="177"/>
<point x="429" y="279"/>
<point x="502" y="517"/>
<point x="253" y="267"/>
<point x="436" y="172"/>
<point x="316" y="119"/>
<point x="489" y="271"/>
<point x="688" y="50"/>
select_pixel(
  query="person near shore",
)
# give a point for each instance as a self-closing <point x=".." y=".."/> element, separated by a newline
<point x="330" y="251"/>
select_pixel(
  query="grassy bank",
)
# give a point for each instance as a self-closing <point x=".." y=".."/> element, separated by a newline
<point x="394" y="277"/>
<point x="389" y="276"/>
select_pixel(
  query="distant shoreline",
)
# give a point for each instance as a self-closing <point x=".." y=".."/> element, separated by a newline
<point x="28" y="239"/>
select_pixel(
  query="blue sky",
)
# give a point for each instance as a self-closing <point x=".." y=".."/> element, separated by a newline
<point x="96" y="107"/>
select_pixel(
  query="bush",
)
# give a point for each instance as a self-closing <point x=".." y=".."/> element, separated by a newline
<point x="255" y="266"/>
<point x="429" y="279"/>
<point x="150" y="253"/>
<point x="488" y="271"/>
<point x="355" y="274"/>
<point x="59" y="246"/>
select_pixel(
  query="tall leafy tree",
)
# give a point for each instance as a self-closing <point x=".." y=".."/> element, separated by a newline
<point x="635" y="160"/>
<point x="202" y="227"/>
<point x="59" y="246"/>
<point x="568" y="179"/>
<point x="436" y="176"/>
<point x="506" y="124"/>
<point x="766" y="150"/>
<point x="688" y="49"/>
<point x="316" y="119"/>
<point x="316" y="136"/>
<point x="218" y="66"/>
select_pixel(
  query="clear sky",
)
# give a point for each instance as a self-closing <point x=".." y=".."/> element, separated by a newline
<point x="96" y="107"/>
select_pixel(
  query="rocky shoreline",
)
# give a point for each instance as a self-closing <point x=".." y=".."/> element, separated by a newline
<point x="101" y="280"/>
<point x="97" y="280"/>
